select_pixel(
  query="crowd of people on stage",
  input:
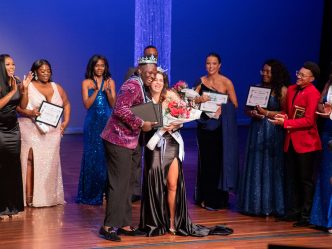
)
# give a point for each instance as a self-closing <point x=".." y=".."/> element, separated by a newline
<point x="286" y="171"/>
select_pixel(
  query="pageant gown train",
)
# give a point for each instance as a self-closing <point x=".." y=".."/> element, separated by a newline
<point x="155" y="217"/>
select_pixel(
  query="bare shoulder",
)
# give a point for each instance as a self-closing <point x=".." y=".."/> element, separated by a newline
<point x="203" y="79"/>
<point x="58" y="85"/>
<point x="226" y="81"/>
<point x="87" y="83"/>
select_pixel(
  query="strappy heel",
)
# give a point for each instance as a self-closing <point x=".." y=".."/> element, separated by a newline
<point x="172" y="231"/>
<point x="29" y="201"/>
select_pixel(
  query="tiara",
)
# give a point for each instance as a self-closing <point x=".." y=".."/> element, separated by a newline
<point x="161" y="70"/>
<point x="147" y="60"/>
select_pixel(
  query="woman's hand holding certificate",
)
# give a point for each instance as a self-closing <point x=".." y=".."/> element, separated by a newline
<point x="258" y="96"/>
<point x="50" y="114"/>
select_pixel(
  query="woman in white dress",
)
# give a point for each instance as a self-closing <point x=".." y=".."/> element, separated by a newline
<point x="40" y="149"/>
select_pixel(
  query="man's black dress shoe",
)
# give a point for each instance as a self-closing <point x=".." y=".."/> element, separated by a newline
<point x="133" y="232"/>
<point x="301" y="223"/>
<point x="110" y="234"/>
<point x="135" y="198"/>
<point x="289" y="217"/>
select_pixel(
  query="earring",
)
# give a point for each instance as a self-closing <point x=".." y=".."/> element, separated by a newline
<point x="36" y="77"/>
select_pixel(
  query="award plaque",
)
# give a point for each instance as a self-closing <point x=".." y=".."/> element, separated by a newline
<point x="298" y="112"/>
<point x="258" y="96"/>
<point x="50" y="114"/>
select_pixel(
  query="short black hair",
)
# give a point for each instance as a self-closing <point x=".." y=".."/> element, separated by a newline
<point x="150" y="46"/>
<point x="313" y="67"/>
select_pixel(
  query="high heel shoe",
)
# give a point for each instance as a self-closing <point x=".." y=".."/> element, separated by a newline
<point x="172" y="231"/>
<point x="29" y="201"/>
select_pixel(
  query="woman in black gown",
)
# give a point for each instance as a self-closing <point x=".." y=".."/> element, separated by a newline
<point x="217" y="141"/>
<point x="164" y="205"/>
<point x="11" y="190"/>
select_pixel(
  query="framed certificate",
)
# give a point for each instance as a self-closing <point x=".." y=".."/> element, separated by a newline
<point x="258" y="96"/>
<point x="50" y="114"/>
<point x="216" y="99"/>
<point x="149" y="112"/>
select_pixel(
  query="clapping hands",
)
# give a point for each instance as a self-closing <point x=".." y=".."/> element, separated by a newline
<point x="27" y="80"/>
<point x="327" y="109"/>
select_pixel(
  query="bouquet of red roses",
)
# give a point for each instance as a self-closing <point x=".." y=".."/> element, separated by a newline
<point x="176" y="111"/>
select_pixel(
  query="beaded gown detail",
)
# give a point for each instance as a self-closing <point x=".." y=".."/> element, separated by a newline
<point x="47" y="175"/>
<point x="11" y="190"/>
<point x="262" y="182"/>
<point x="93" y="176"/>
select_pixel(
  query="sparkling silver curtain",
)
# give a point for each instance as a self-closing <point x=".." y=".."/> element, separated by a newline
<point x="153" y="27"/>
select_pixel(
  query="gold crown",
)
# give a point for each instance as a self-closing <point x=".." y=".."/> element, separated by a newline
<point x="147" y="60"/>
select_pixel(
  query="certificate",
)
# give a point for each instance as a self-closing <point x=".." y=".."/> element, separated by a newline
<point x="50" y="114"/>
<point x="216" y="99"/>
<point x="258" y="96"/>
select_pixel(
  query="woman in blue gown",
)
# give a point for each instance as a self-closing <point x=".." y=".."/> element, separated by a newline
<point x="98" y="92"/>
<point x="321" y="212"/>
<point x="262" y="179"/>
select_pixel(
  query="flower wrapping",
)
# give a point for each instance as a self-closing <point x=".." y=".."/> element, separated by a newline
<point x="179" y="86"/>
<point x="176" y="111"/>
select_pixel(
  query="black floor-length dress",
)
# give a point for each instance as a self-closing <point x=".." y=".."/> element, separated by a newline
<point x="11" y="189"/>
<point x="155" y="217"/>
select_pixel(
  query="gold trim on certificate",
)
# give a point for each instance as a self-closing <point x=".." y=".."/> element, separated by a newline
<point x="216" y="99"/>
<point x="50" y="114"/>
<point x="258" y="96"/>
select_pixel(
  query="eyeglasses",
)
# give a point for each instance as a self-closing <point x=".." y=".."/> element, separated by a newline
<point x="262" y="72"/>
<point x="301" y="75"/>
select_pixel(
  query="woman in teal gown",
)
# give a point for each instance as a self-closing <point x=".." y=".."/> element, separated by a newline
<point x="98" y="92"/>
<point x="262" y="179"/>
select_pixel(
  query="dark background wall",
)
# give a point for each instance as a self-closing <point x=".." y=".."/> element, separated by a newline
<point x="244" y="33"/>
<point x="68" y="33"/>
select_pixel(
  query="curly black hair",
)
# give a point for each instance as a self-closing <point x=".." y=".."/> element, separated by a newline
<point x="280" y="76"/>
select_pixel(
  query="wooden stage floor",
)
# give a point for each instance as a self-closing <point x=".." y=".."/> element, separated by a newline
<point x="76" y="226"/>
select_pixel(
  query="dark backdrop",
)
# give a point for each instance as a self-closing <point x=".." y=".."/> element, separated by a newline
<point x="244" y="33"/>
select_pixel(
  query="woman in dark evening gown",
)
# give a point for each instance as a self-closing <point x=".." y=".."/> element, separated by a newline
<point x="262" y="182"/>
<point x="321" y="212"/>
<point x="11" y="188"/>
<point x="164" y="205"/>
<point x="217" y="141"/>
<point x="98" y="92"/>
